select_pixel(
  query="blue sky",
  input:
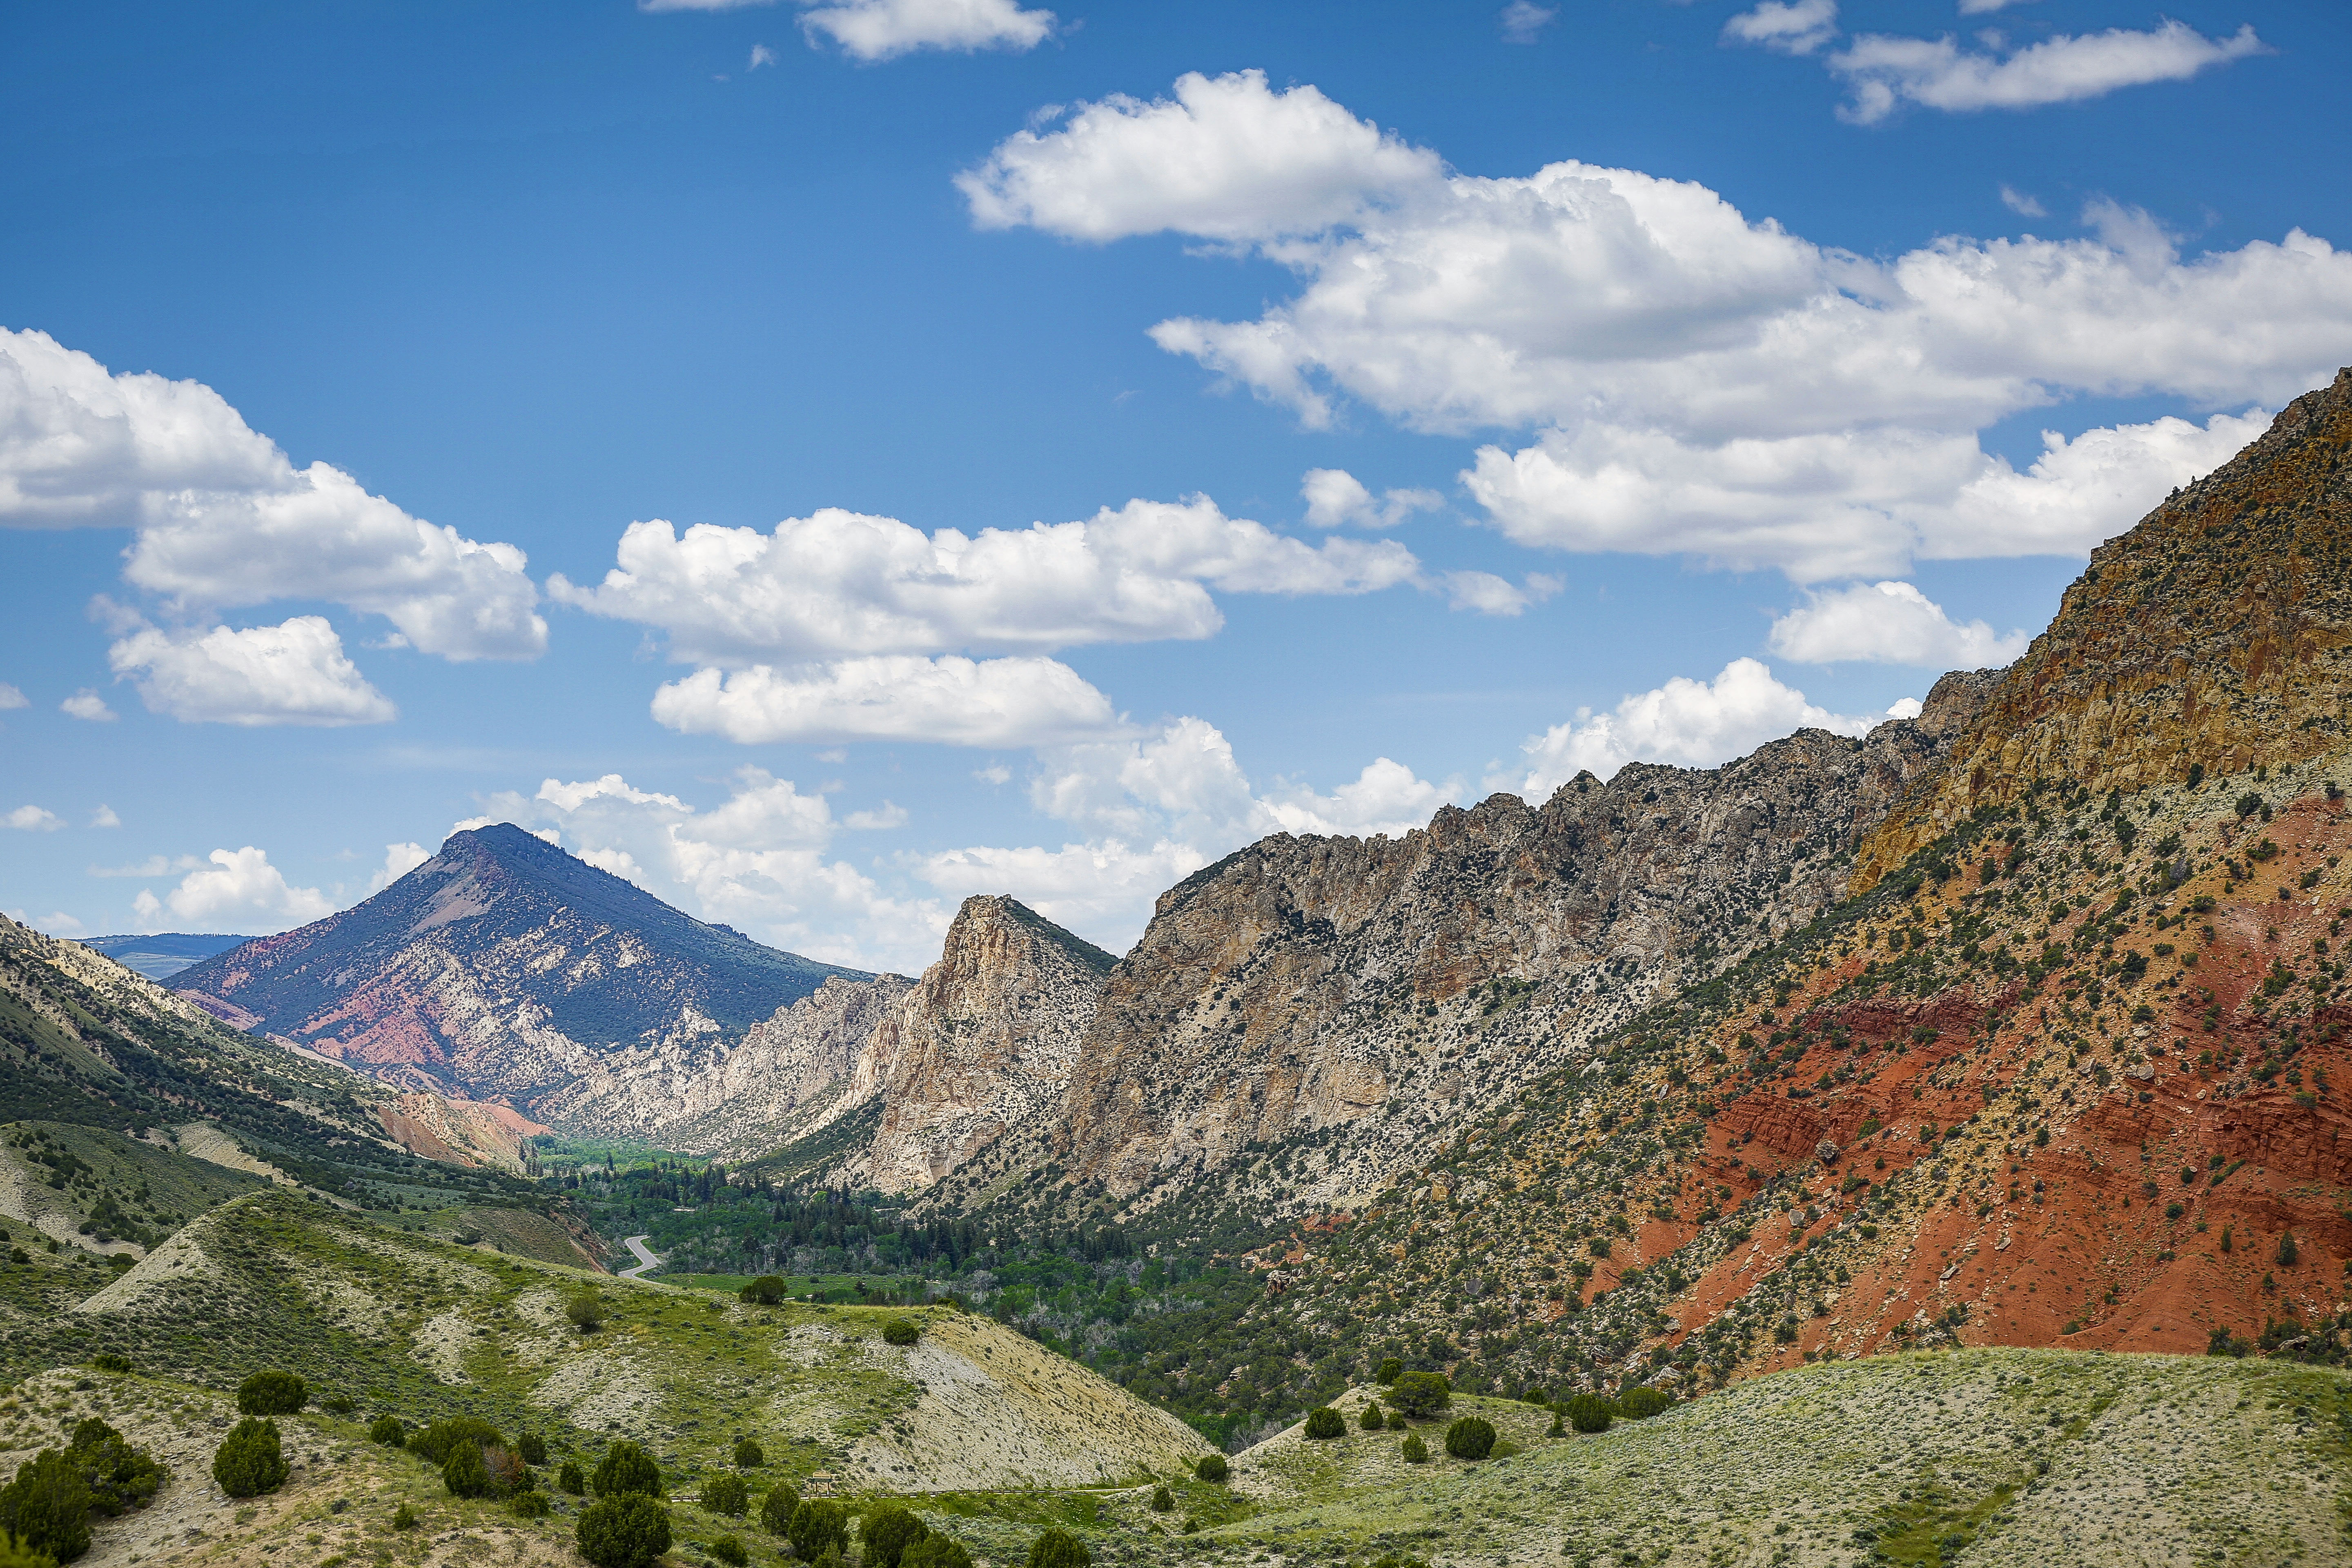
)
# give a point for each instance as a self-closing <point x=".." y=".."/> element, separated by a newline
<point x="1423" y="400"/>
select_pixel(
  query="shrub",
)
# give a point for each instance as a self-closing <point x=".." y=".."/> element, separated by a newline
<point x="403" y="1517"/>
<point x="1641" y="1404"/>
<point x="569" y="1480"/>
<point x="533" y="1447"/>
<point x="624" y="1469"/>
<point x="1390" y="1370"/>
<point x="1325" y="1422"/>
<point x="776" y="1509"/>
<point x="249" y="1460"/>
<point x="509" y="1474"/>
<point x="1420" y="1395"/>
<point x="119" y="1477"/>
<point x="531" y="1504"/>
<point x="1396" y="1421"/>
<point x="818" y="1527"/>
<point x="748" y="1455"/>
<point x="1415" y="1450"/>
<point x="1059" y="1549"/>
<point x="1470" y="1438"/>
<point x="885" y="1534"/>
<point x="1162" y="1500"/>
<point x="626" y="1529"/>
<point x="439" y="1441"/>
<point x="1587" y="1412"/>
<point x="1212" y="1467"/>
<point x="764" y="1291"/>
<point x="901" y="1332"/>
<point x="586" y="1310"/>
<point x="464" y="1472"/>
<point x="2287" y="1252"/>
<point x="48" y="1506"/>
<point x="726" y="1494"/>
<point x="388" y="1431"/>
<point x="342" y="1404"/>
<point x="726" y="1549"/>
<point x="271" y="1393"/>
<point x="1373" y="1418"/>
<point x="936" y="1551"/>
<point x="107" y="1361"/>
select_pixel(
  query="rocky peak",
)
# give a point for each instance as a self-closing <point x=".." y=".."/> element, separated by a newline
<point x="2215" y="635"/>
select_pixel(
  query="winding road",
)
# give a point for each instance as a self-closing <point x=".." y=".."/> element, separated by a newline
<point x="646" y="1260"/>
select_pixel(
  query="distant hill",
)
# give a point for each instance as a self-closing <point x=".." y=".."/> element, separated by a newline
<point x="502" y="968"/>
<point x="164" y="954"/>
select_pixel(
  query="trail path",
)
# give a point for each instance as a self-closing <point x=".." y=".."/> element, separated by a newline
<point x="646" y="1260"/>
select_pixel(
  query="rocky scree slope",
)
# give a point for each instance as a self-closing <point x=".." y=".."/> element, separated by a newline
<point x="502" y="968"/>
<point x="2070" y="1072"/>
<point x="1367" y="995"/>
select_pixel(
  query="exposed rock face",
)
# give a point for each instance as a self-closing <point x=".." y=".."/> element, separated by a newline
<point x="1307" y="982"/>
<point x="788" y="1076"/>
<point x="458" y="1132"/>
<point x="984" y="1041"/>
<point x="501" y="968"/>
<point x="2216" y="634"/>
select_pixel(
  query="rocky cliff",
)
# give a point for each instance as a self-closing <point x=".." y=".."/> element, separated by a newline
<point x="983" y="1043"/>
<point x="2216" y="636"/>
<point x="502" y="968"/>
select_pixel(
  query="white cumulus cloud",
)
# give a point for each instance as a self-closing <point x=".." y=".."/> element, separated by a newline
<point x="839" y="583"/>
<point x="1889" y="623"/>
<point x="1796" y="26"/>
<point x="12" y="697"/>
<point x="2021" y="204"/>
<point x="1226" y="158"/>
<point x="224" y="519"/>
<point x="88" y="706"/>
<point x="239" y="890"/>
<point x="399" y="860"/>
<point x="950" y="701"/>
<point x="32" y="819"/>
<point x="1885" y="71"/>
<point x="884" y="29"/>
<point x="294" y="673"/>
<point x="104" y="816"/>
<point x="1690" y="723"/>
<point x="1523" y="20"/>
<point x="1337" y="498"/>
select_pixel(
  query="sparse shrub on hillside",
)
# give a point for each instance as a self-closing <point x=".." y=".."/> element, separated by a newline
<point x="1212" y="1467"/>
<point x="271" y="1393"/>
<point x="403" y="1517"/>
<point x="885" y="1532"/>
<point x="586" y="1310"/>
<point x="1059" y="1549"/>
<point x="937" y="1550"/>
<point x="1325" y="1422"/>
<point x="627" y="1529"/>
<point x="569" y="1480"/>
<point x="1587" y="1412"/>
<point x="818" y="1526"/>
<point x="1390" y="1370"/>
<point x="1396" y="1421"/>
<point x="388" y="1431"/>
<point x="48" y="1506"/>
<point x="531" y="1504"/>
<point x="2288" y="1255"/>
<point x="107" y="1361"/>
<point x="766" y="1291"/>
<point x="1470" y="1438"/>
<point x="1641" y="1404"/>
<point x="726" y="1494"/>
<point x="250" y="1461"/>
<point x="509" y="1474"/>
<point x="121" y="1478"/>
<point x="1415" y="1450"/>
<point x="1162" y="1500"/>
<point x="627" y="1468"/>
<point x="901" y="1332"/>
<point x="776" y="1508"/>
<point x="1420" y="1395"/>
<point x="533" y="1447"/>
<point x="437" y="1442"/>
<point x="749" y="1455"/>
<point x="1373" y="1418"/>
<point x="726" y="1549"/>
<point x="464" y="1472"/>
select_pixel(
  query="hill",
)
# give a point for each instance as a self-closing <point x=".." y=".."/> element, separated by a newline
<point x="499" y="970"/>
